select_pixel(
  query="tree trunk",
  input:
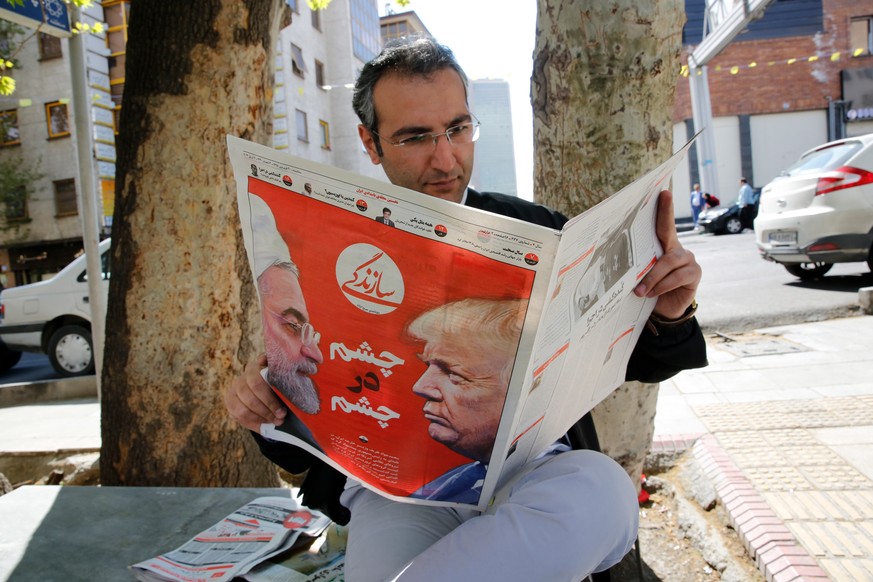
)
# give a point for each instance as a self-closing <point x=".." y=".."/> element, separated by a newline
<point x="182" y="314"/>
<point x="602" y="90"/>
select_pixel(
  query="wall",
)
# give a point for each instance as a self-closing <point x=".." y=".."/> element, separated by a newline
<point x="43" y="82"/>
<point x="786" y="103"/>
<point x="778" y="140"/>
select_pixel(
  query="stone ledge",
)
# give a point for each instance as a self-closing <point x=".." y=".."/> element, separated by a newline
<point x="48" y="391"/>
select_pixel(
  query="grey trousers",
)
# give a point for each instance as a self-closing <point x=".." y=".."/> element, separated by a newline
<point x="567" y="515"/>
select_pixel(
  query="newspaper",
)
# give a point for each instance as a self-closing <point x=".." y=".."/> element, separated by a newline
<point x="454" y="345"/>
<point x="261" y="529"/>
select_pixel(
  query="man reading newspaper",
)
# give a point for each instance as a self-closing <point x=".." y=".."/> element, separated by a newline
<point x="571" y="511"/>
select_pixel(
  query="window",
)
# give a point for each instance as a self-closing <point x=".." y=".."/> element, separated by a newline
<point x="302" y="131"/>
<point x="861" y="36"/>
<point x="316" y="19"/>
<point x="9" y="134"/>
<point x="292" y="4"/>
<point x="297" y="63"/>
<point x="394" y="30"/>
<point x="16" y="204"/>
<point x="65" y="198"/>
<point x="319" y="75"/>
<point x="105" y="268"/>
<point x="325" y="134"/>
<point x="57" y="119"/>
<point x="366" y="35"/>
<point x="49" y="47"/>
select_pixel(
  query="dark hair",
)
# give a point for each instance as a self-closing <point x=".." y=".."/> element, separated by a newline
<point x="412" y="56"/>
<point x="384" y="210"/>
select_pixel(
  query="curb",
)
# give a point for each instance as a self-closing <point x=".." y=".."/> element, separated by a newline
<point x="776" y="552"/>
<point x="48" y="391"/>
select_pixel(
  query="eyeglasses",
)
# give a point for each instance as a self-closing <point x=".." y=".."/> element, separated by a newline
<point x="305" y="331"/>
<point x="462" y="134"/>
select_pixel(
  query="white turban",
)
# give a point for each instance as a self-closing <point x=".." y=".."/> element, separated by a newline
<point x="268" y="246"/>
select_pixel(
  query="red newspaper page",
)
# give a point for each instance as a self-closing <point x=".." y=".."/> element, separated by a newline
<point x="364" y="281"/>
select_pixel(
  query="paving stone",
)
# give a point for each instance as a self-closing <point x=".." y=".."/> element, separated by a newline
<point x="835" y="477"/>
<point x="810" y="455"/>
<point x="821" y="539"/>
<point x="738" y="440"/>
<point x="799" y="437"/>
<point x="778" y="479"/>
<point x="848" y="570"/>
<point x="761" y="457"/>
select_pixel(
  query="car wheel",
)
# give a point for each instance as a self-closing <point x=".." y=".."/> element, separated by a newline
<point x="70" y="351"/>
<point x="733" y="225"/>
<point x="808" y="271"/>
<point x="8" y="358"/>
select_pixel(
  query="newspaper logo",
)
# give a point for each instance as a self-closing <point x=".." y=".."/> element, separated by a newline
<point x="440" y="230"/>
<point x="369" y="279"/>
<point x="362" y="205"/>
<point x="531" y="259"/>
<point x="286" y="179"/>
<point x="298" y="519"/>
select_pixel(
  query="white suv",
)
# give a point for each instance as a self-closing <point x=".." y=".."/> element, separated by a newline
<point x="53" y="317"/>
<point x="820" y="210"/>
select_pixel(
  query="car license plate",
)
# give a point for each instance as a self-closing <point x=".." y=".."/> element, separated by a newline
<point x="783" y="238"/>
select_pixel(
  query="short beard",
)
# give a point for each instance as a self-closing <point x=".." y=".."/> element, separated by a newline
<point x="292" y="379"/>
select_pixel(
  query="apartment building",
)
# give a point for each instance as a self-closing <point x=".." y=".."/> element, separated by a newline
<point x="40" y="228"/>
<point x="318" y="58"/>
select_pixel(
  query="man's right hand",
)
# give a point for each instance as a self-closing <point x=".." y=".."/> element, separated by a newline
<point x="249" y="399"/>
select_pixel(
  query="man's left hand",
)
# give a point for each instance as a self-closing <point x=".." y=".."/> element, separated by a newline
<point x="676" y="275"/>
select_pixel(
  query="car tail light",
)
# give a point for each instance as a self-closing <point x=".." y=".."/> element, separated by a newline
<point x="845" y="177"/>
<point x="823" y="247"/>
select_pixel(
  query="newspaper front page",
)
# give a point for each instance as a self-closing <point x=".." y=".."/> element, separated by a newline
<point x="425" y="348"/>
<point x="263" y="528"/>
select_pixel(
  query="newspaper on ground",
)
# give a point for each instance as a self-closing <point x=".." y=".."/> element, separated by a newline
<point x="428" y="349"/>
<point x="259" y="530"/>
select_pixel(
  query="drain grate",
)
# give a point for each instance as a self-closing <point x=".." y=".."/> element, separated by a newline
<point x="757" y="345"/>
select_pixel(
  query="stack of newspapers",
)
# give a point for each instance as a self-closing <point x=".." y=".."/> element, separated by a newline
<point x="270" y="538"/>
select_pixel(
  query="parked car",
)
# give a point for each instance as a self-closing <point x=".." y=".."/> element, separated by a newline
<point x="53" y="317"/>
<point x="721" y="220"/>
<point x="820" y="210"/>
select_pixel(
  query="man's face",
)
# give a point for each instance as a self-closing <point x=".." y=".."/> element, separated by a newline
<point x="291" y="362"/>
<point x="464" y="395"/>
<point x="386" y="215"/>
<point x="406" y="106"/>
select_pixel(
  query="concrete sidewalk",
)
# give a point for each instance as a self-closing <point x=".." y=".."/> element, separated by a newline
<point x="782" y="421"/>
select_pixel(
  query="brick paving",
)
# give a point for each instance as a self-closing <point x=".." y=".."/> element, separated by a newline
<point x="789" y="446"/>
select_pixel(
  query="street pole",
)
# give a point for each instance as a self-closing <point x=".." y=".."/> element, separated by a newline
<point x="87" y="193"/>
<point x="702" y="111"/>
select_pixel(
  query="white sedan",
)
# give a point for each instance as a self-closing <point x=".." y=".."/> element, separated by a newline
<point x="820" y="210"/>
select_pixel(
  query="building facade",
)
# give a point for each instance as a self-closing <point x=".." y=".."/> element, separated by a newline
<point x="318" y="57"/>
<point x="40" y="228"/>
<point x="494" y="167"/>
<point x="796" y="78"/>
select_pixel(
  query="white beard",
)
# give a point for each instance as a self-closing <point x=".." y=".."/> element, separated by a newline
<point x="286" y="376"/>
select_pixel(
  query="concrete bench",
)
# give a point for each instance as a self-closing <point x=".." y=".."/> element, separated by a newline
<point x="94" y="533"/>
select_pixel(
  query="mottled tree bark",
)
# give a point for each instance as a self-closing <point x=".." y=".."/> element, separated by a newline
<point x="602" y="89"/>
<point x="182" y="315"/>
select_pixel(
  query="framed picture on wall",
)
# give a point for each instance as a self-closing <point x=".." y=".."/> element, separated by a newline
<point x="57" y="119"/>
